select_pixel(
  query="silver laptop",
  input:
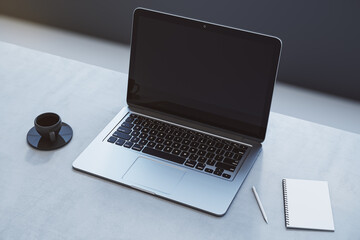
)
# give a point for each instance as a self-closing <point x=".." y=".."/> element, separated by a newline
<point x="198" y="103"/>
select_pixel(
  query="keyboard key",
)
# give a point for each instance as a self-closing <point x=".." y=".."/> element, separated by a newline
<point x="128" y="144"/>
<point x="169" y="137"/>
<point x="133" y="115"/>
<point x="159" y="140"/>
<point x="184" y="154"/>
<point x="203" y="146"/>
<point x="217" y="173"/>
<point x="137" y="121"/>
<point x="158" y="123"/>
<point x="169" y="131"/>
<point x="143" y="142"/>
<point x="164" y="155"/>
<point x="226" y="175"/>
<point x="220" y="151"/>
<point x="153" y="126"/>
<point x="167" y="142"/>
<point x="193" y="150"/>
<point x="135" y="133"/>
<point x="186" y="142"/>
<point x="225" y="166"/>
<point x="210" y="155"/>
<point x="184" y="148"/>
<point x="202" y="159"/>
<point x="112" y="139"/>
<point x="240" y="151"/>
<point x="200" y="134"/>
<point x="124" y="130"/>
<point x="228" y="154"/>
<point x="161" y="128"/>
<point x="137" y="128"/>
<point x="218" y="145"/>
<point x="202" y="140"/>
<point x="235" y="145"/>
<point x="194" y="157"/>
<point x="191" y="132"/>
<point x="219" y="158"/>
<point x="151" y="144"/>
<point x="201" y="152"/>
<point x="151" y="138"/>
<point x="209" y="170"/>
<point x="194" y="138"/>
<point x="211" y="162"/>
<point x="200" y="166"/>
<point x="194" y="144"/>
<point x="143" y="135"/>
<point x="161" y="134"/>
<point x="176" y="151"/>
<point x="137" y="147"/>
<point x="185" y="135"/>
<point x="159" y="147"/>
<point x="244" y="147"/>
<point x="129" y="119"/>
<point x="228" y="147"/>
<point x="120" y="142"/>
<point x="121" y="135"/>
<point x="127" y="125"/>
<point x="211" y="149"/>
<point x="135" y="139"/>
<point x="176" y="145"/>
<point x="146" y="124"/>
<point x="190" y="163"/>
<point x="237" y="150"/>
<point x="226" y="142"/>
<point x="219" y="169"/>
<point x="237" y="156"/>
<point x="231" y="161"/>
<point x="153" y="132"/>
<point x="168" y="149"/>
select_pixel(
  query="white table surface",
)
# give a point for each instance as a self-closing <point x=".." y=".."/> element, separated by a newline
<point x="42" y="197"/>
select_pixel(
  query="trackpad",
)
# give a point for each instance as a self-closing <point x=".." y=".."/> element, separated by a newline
<point x="155" y="175"/>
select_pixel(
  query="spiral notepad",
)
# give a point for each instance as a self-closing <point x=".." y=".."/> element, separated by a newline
<point x="307" y="205"/>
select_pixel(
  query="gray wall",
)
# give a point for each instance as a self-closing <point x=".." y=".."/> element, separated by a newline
<point x="321" y="38"/>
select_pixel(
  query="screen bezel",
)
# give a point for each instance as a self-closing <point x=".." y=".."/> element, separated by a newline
<point x="276" y="42"/>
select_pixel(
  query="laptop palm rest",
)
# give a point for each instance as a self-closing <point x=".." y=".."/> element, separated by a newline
<point x="154" y="175"/>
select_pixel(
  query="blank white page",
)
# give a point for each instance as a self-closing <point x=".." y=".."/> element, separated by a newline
<point x="307" y="204"/>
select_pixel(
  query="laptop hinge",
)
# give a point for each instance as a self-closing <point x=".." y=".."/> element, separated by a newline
<point x="194" y="124"/>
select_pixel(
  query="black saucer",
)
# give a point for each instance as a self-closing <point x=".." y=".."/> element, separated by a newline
<point x="36" y="141"/>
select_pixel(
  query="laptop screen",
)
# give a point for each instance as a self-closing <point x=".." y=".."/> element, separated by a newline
<point x="212" y="74"/>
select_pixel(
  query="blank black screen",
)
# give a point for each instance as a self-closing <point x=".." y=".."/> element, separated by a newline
<point x="220" y="76"/>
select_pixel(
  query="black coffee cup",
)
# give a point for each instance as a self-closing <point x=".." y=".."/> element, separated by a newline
<point x="48" y="125"/>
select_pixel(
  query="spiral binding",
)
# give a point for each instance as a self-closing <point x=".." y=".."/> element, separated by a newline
<point x="285" y="203"/>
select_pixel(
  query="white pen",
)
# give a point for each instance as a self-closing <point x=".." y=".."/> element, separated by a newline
<point x="259" y="203"/>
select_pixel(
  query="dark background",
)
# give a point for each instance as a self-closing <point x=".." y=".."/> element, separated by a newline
<point x="321" y="39"/>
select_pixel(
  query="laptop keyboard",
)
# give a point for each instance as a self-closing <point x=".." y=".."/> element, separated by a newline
<point x="199" y="151"/>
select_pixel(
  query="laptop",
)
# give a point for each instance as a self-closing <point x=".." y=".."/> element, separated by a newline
<point x="198" y="102"/>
